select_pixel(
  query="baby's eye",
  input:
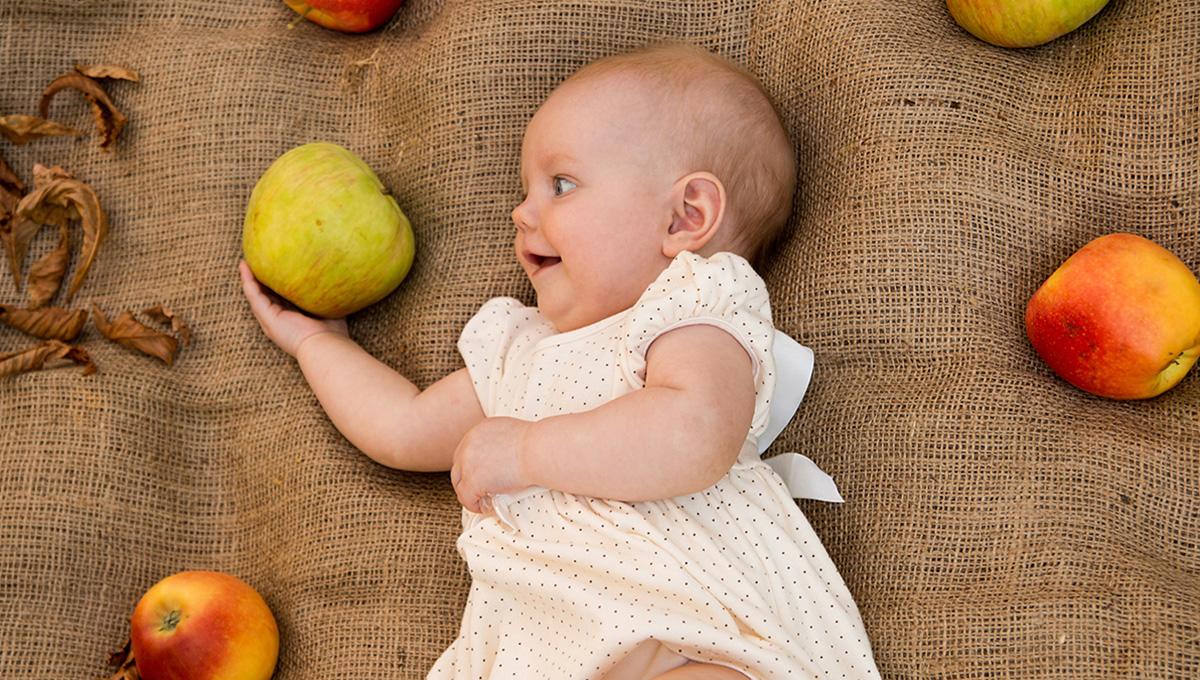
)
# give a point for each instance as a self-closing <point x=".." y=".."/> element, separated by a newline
<point x="562" y="185"/>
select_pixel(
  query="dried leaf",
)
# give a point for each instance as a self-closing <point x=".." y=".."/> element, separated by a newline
<point x="130" y="332"/>
<point x="11" y="190"/>
<point x="58" y="198"/>
<point x="9" y="180"/>
<point x="46" y="323"/>
<point x="46" y="274"/>
<point x="109" y="121"/>
<point x="125" y="664"/>
<point x="43" y="212"/>
<point x="163" y="314"/>
<point x="107" y="71"/>
<point x="50" y="352"/>
<point x="21" y="129"/>
<point x="119" y="657"/>
<point x="21" y="233"/>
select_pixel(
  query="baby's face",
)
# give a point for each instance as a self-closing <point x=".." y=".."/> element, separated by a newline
<point x="597" y="181"/>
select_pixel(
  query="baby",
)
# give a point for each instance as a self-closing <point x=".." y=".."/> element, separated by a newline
<point x="618" y="522"/>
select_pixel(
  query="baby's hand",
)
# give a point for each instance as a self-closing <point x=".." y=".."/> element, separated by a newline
<point x="281" y="322"/>
<point x="486" y="462"/>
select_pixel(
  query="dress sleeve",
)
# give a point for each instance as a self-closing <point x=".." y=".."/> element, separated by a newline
<point x="484" y="344"/>
<point x="722" y="291"/>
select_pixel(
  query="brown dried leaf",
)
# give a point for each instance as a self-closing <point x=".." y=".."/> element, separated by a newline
<point x="43" y="212"/>
<point x="130" y="332"/>
<point x="21" y="129"/>
<point x="46" y="323"/>
<point x="46" y="274"/>
<point x="58" y="198"/>
<point x="17" y="240"/>
<point x="107" y="71"/>
<point x="11" y="190"/>
<point x="126" y="665"/>
<point x="109" y="121"/>
<point x="8" y="179"/>
<point x="163" y="314"/>
<point x="49" y="352"/>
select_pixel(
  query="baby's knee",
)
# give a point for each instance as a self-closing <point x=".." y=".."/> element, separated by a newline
<point x="651" y="660"/>
<point x="694" y="670"/>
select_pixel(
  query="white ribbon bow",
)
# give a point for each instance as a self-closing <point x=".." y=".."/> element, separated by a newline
<point x="793" y="372"/>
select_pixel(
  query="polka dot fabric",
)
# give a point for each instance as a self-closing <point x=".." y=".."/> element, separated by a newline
<point x="564" y="586"/>
<point x="723" y="291"/>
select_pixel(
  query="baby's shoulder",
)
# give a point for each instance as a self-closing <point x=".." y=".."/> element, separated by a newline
<point x="723" y="285"/>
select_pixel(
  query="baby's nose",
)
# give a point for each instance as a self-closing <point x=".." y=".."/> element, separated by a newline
<point x="522" y="215"/>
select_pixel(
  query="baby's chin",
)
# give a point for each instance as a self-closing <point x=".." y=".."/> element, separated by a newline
<point x="559" y="318"/>
<point x="549" y="314"/>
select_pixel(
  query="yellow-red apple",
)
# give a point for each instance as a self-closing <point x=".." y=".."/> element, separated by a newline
<point x="1022" y="23"/>
<point x="1120" y="318"/>
<point x="347" y="16"/>
<point x="203" y="625"/>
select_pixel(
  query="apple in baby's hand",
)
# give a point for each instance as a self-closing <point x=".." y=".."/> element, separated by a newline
<point x="1120" y="318"/>
<point x="200" y="625"/>
<point x="347" y="16"/>
<point x="322" y="231"/>
<point x="1022" y="23"/>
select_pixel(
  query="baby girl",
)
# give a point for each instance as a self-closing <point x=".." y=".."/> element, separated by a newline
<point x="618" y="522"/>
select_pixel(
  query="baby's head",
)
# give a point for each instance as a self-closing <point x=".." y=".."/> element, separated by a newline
<point x="637" y="157"/>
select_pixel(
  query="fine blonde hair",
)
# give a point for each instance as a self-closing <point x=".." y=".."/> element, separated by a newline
<point x="728" y="126"/>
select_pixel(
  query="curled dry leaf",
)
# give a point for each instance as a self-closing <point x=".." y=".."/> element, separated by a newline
<point x="59" y="198"/>
<point x="107" y="71"/>
<point x="46" y="274"/>
<point x="17" y="241"/>
<point x="48" y="354"/>
<point x="125" y="664"/>
<point x="24" y="129"/>
<point x="109" y="121"/>
<point x="11" y="190"/>
<point x="9" y="180"/>
<point x="163" y="314"/>
<point x="131" y="333"/>
<point x="47" y="323"/>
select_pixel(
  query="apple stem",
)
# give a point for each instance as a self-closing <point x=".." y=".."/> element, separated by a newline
<point x="303" y="13"/>
<point x="170" y="622"/>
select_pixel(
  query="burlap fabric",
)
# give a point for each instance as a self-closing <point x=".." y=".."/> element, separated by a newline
<point x="999" y="523"/>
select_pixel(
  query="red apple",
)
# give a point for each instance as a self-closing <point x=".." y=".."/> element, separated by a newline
<point x="347" y="16"/>
<point x="1120" y="318"/>
<point x="1022" y="23"/>
<point x="202" y="625"/>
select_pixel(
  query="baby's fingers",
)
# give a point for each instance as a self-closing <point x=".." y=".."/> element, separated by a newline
<point x="250" y="285"/>
<point x="260" y="303"/>
<point x="467" y="496"/>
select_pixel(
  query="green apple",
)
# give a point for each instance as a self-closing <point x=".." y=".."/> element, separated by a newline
<point x="1022" y="23"/>
<point x="322" y="231"/>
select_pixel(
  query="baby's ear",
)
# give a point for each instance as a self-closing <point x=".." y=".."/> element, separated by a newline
<point x="697" y="206"/>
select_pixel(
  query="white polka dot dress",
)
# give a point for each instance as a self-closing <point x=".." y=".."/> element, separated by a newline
<point x="564" y="586"/>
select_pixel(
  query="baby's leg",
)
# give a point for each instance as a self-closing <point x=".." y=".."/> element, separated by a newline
<point x="652" y="661"/>
<point x="694" y="670"/>
<point x="647" y="661"/>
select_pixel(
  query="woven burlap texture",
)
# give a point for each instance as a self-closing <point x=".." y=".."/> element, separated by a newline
<point x="999" y="523"/>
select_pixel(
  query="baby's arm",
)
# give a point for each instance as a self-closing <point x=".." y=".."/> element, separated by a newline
<point x="676" y="436"/>
<point x="384" y="414"/>
<point x="377" y="409"/>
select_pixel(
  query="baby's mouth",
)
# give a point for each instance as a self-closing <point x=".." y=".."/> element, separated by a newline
<point x="542" y="262"/>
